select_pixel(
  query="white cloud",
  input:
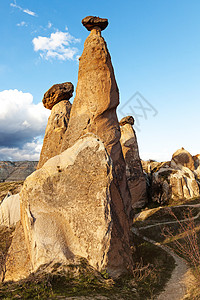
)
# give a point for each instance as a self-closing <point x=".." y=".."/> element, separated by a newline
<point x="21" y="24"/>
<point x="21" y="120"/>
<point x="58" y="45"/>
<point x="30" y="151"/>
<point x="25" y="10"/>
<point x="49" y="25"/>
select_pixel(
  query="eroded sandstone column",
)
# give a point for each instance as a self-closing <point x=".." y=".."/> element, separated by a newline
<point x="134" y="171"/>
<point x="57" y="100"/>
<point x="97" y="97"/>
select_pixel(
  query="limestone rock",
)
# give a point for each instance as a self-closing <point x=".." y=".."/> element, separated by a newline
<point x="10" y="210"/>
<point x="57" y="93"/>
<point x="71" y="207"/>
<point x="91" y="22"/>
<point x="184" y="158"/>
<point x="55" y="130"/>
<point x="94" y="107"/>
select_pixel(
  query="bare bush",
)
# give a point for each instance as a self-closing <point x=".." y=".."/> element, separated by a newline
<point x="186" y="239"/>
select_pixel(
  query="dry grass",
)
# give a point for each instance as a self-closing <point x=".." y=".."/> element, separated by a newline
<point x="13" y="186"/>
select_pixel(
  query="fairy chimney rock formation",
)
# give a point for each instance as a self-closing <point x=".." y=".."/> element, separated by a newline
<point x="56" y="99"/>
<point x="78" y="203"/>
<point x="134" y="171"/>
<point x="97" y="97"/>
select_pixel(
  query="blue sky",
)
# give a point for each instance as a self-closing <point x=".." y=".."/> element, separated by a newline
<point x="155" y="50"/>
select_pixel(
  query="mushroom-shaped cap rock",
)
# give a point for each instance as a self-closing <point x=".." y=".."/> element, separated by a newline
<point x="127" y="120"/>
<point x="91" y="22"/>
<point x="57" y="93"/>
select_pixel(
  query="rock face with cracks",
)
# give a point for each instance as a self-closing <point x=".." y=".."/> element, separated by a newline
<point x="94" y="107"/>
<point x="55" y="130"/>
<point x="134" y="171"/>
<point x="69" y="209"/>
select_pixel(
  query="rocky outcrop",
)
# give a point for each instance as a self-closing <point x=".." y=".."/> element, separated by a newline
<point x="183" y="158"/>
<point x="16" y="170"/>
<point x="94" y="107"/>
<point x="70" y="210"/>
<point x="174" y="180"/>
<point x="134" y="172"/>
<point x="54" y="98"/>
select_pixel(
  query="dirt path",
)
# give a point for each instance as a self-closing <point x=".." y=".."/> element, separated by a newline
<point x="181" y="279"/>
<point x="171" y="222"/>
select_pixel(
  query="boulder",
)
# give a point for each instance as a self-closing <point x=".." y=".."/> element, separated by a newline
<point x="57" y="93"/>
<point x="55" y="130"/>
<point x="183" y="158"/>
<point x="134" y="172"/>
<point x="173" y="184"/>
<point x="10" y="210"/>
<point x="71" y="208"/>
<point x="91" y="22"/>
<point x="94" y="107"/>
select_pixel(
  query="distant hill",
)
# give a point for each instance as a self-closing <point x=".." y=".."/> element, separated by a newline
<point x="16" y="170"/>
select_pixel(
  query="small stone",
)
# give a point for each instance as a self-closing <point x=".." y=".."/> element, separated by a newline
<point x="91" y="22"/>
<point x="127" y="120"/>
<point x="57" y="93"/>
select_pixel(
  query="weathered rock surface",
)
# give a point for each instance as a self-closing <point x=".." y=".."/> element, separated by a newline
<point x="71" y="208"/>
<point x="94" y="107"/>
<point x="57" y="93"/>
<point x="183" y="158"/>
<point x="134" y="172"/>
<point x="55" y="130"/>
<point x="197" y="167"/>
<point x="10" y="210"/>
<point x="18" y="263"/>
<point x="16" y="171"/>
<point x="91" y="22"/>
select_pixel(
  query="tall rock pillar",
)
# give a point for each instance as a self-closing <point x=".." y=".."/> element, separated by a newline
<point x="97" y="97"/>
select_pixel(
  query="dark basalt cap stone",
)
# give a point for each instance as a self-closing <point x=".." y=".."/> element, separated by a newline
<point x="127" y="120"/>
<point x="91" y="22"/>
<point x="57" y="93"/>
